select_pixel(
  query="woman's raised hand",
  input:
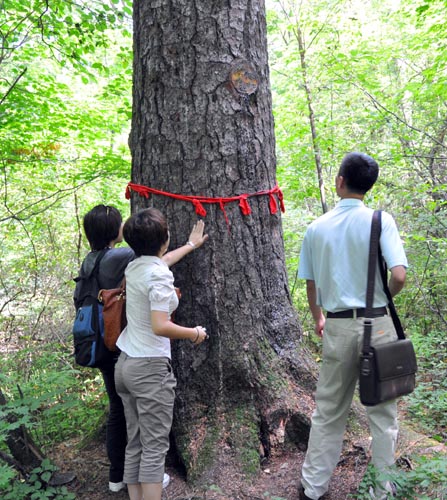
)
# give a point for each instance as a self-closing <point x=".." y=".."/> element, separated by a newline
<point x="197" y="238"/>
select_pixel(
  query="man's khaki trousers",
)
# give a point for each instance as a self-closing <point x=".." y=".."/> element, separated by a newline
<point x="342" y="343"/>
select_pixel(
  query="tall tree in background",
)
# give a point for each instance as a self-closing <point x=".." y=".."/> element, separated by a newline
<point x="202" y="126"/>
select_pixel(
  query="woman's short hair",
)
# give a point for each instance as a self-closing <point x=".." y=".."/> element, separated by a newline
<point x="146" y="232"/>
<point x="102" y="225"/>
<point x="360" y="172"/>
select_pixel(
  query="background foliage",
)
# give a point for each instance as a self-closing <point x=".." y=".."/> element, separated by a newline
<point x="346" y="75"/>
<point x="65" y="78"/>
<point x="365" y="74"/>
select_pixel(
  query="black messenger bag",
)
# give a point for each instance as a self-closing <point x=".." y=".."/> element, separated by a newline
<point x="387" y="371"/>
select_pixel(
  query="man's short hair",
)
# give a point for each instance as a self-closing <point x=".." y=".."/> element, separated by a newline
<point x="359" y="171"/>
<point x="102" y="225"/>
<point x="146" y="232"/>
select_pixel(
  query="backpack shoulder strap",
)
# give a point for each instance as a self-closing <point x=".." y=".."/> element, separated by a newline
<point x="87" y="284"/>
<point x="95" y="269"/>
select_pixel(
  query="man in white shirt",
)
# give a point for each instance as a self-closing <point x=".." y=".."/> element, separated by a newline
<point x="334" y="262"/>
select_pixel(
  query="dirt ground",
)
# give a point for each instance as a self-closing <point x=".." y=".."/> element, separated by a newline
<point x="277" y="480"/>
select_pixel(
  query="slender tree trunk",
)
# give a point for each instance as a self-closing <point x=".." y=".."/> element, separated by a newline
<point x="203" y="125"/>
<point x="313" y="128"/>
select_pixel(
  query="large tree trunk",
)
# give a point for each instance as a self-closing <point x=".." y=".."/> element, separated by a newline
<point x="203" y="125"/>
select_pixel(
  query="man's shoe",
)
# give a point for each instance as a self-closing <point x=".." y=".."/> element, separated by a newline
<point x="115" y="487"/>
<point x="302" y="495"/>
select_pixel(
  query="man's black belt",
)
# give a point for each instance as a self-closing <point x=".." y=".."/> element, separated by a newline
<point x="358" y="313"/>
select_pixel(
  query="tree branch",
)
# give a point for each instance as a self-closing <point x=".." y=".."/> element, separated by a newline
<point x="12" y="86"/>
<point x="380" y="106"/>
<point x="12" y="462"/>
<point x="55" y="197"/>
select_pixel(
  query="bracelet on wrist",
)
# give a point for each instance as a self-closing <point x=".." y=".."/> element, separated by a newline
<point x="197" y="336"/>
<point x="191" y="244"/>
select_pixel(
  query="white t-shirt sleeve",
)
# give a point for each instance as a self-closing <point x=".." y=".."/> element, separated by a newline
<point x="161" y="289"/>
<point x="305" y="270"/>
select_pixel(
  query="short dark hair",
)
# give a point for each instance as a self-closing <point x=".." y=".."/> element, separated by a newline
<point x="102" y="225"/>
<point x="359" y="171"/>
<point x="146" y="231"/>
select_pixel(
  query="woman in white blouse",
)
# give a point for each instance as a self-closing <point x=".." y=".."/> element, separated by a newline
<point x="143" y="373"/>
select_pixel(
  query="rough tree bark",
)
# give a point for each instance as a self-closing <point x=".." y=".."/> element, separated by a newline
<point x="203" y="125"/>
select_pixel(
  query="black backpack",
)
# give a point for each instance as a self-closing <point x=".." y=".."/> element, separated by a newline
<point x="88" y="326"/>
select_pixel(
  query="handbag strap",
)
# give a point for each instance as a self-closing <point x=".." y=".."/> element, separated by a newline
<point x="391" y="306"/>
<point x="123" y="284"/>
<point x="375" y="254"/>
<point x="376" y="228"/>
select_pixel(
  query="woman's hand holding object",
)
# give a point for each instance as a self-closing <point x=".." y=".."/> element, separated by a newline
<point x="201" y="335"/>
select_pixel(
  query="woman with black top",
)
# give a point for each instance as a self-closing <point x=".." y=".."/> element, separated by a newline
<point x="103" y="229"/>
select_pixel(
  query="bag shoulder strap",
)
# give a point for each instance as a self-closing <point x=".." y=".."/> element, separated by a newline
<point x="89" y="285"/>
<point x="376" y="228"/>
<point x="391" y="306"/>
<point x="95" y="268"/>
<point x="375" y="255"/>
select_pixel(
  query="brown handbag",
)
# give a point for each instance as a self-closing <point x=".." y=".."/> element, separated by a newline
<point x="113" y="301"/>
<point x="114" y="316"/>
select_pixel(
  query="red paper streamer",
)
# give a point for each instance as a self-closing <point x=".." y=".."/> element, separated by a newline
<point x="199" y="201"/>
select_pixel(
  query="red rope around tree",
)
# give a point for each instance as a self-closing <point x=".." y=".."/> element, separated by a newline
<point x="198" y="201"/>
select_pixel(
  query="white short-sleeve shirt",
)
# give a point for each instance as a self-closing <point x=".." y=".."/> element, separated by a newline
<point x="335" y="253"/>
<point x="149" y="287"/>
